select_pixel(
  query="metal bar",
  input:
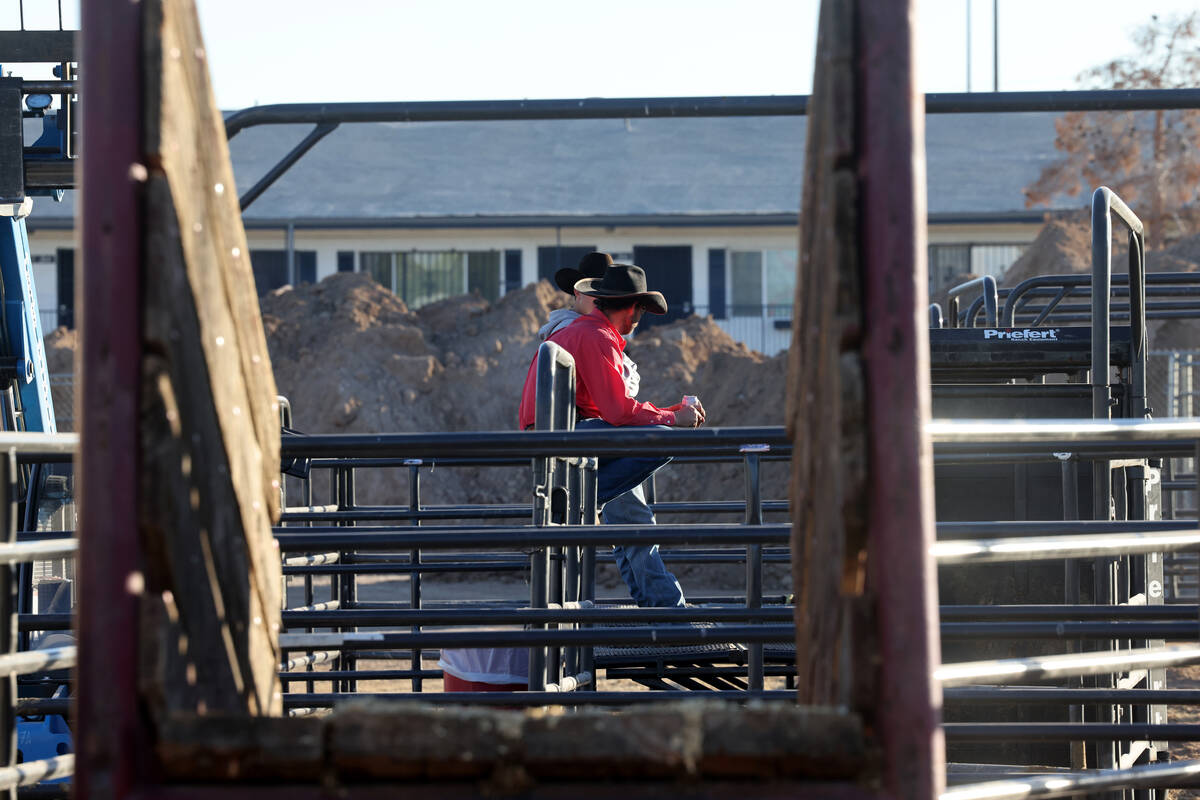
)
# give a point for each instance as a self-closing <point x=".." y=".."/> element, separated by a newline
<point x="31" y="772"/>
<point x="308" y="659"/>
<point x="1054" y="695"/>
<point x="538" y="698"/>
<point x="406" y="617"/>
<point x="1068" y="612"/>
<point x="527" y="537"/>
<point x="660" y="636"/>
<point x="1044" y="548"/>
<point x="1069" y="731"/>
<point x="538" y="588"/>
<point x="508" y="511"/>
<point x="8" y="612"/>
<point x="527" y="444"/>
<point x="1056" y="431"/>
<point x="1004" y="671"/>
<point x="49" y="86"/>
<point x="332" y="463"/>
<point x="41" y="706"/>
<point x="1156" y="629"/>
<point x="39" y="443"/>
<point x="1007" y="452"/>
<point x="318" y="133"/>
<point x="645" y="107"/>
<point x="754" y="565"/>
<point x="32" y="661"/>
<point x="414" y="583"/>
<point x="360" y="675"/>
<point x="312" y="559"/>
<point x="33" y="47"/>
<point x="1068" y="784"/>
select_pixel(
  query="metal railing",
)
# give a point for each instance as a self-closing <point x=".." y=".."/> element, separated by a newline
<point x="13" y="553"/>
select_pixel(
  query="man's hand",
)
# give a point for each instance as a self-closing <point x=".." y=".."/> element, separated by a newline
<point x="689" y="417"/>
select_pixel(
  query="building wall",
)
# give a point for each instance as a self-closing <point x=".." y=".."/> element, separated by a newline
<point x="767" y="332"/>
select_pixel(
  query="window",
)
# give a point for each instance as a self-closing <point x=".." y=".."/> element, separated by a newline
<point x="271" y="268"/>
<point x="421" y="277"/>
<point x="949" y="262"/>
<point x="762" y="282"/>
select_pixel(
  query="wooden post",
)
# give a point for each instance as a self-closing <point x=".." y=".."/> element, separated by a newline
<point x="210" y="419"/>
<point x="111" y="736"/>
<point x="178" y="472"/>
<point x="858" y="396"/>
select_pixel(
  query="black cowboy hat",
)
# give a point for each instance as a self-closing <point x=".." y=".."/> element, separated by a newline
<point x="621" y="281"/>
<point x="591" y="265"/>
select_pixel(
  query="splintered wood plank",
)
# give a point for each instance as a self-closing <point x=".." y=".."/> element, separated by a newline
<point x="709" y="741"/>
<point x="825" y="412"/>
<point x="858" y="397"/>
<point x="210" y="416"/>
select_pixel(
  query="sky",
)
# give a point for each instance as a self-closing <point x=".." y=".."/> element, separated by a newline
<point x="293" y="51"/>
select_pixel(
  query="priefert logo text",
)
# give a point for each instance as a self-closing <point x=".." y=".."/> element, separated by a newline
<point x="1028" y="334"/>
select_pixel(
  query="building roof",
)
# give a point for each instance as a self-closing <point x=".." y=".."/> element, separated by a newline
<point x="673" y="171"/>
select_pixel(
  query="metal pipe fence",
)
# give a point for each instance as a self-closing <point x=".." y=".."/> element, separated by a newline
<point x="13" y="556"/>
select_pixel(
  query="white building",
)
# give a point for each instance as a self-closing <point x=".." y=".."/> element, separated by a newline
<point x="707" y="205"/>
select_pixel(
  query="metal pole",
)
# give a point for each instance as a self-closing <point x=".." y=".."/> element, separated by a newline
<point x="414" y="579"/>
<point x="8" y="609"/>
<point x="968" y="46"/>
<point x="754" y="573"/>
<point x="291" y="254"/>
<point x="995" y="45"/>
<point x="538" y="588"/>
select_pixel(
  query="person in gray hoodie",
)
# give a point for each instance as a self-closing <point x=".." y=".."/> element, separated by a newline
<point x="591" y="265"/>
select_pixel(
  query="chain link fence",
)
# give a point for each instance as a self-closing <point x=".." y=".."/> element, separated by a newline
<point x="62" y="393"/>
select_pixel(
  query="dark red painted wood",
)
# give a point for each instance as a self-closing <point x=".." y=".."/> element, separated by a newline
<point x="111" y="737"/>
<point x="896" y="351"/>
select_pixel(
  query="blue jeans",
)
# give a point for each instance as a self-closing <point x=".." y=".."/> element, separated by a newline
<point x="619" y="493"/>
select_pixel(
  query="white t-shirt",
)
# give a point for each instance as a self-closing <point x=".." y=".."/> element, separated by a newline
<point x="487" y="664"/>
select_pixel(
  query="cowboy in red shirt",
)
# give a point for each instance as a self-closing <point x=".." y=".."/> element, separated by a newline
<point x="596" y="341"/>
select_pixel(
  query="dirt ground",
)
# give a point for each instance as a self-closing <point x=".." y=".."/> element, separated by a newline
<point x="352" y="358"/>
<point x="1184" y="678"/>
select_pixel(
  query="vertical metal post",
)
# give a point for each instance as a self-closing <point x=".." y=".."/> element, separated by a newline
<point x="754" y="563"/>
<point x="414" y="580"/>
<point x="308" y="584"/>
<point x="1070" y="511"/>
<point x="570" y="591"/>
<point x="291" y="253"/>
<point x="995" y="45"/>
<point x="538" y="567"/>
<point x="8" y="608"/>
<point x="587" y="566"/>
<point x="350" y="584"/>
<point x="337" y="489"/>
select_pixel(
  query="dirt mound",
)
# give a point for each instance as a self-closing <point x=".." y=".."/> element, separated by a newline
<point x="60" y="360"/>
<point x="352" y="358"/>
<point x="1063" y="247"/>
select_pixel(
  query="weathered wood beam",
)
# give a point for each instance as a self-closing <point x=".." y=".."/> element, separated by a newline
<point x="179" y="577"/>
<point x="858" y="396"/>
<point x="210" y="436"/>
<point x="377" y="742"/>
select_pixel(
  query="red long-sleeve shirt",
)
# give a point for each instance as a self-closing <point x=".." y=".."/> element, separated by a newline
<point x="596" y="347"/>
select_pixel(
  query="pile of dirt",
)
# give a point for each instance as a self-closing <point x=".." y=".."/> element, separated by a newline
<point x="352" y="358"/>
<point x="1064" y="247"/>
<point x="60" y="360"/>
